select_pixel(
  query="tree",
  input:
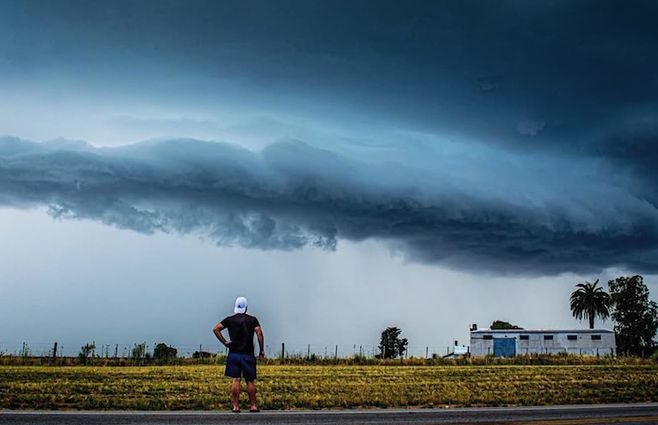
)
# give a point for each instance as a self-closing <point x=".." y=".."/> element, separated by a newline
<point x="635" y="316"/>
<point x="86" y="351"/>
<point x="590" y="301"/>
<point x="139" y="351"/>
<point x="391" y="345"/>
<point x="499" y="324"/>
<point x="164" y="354"/>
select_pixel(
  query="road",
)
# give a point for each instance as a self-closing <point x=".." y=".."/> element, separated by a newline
<point x="627" y="414"/>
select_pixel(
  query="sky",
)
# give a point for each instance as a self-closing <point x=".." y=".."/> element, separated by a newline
<point x="355" y="164"/>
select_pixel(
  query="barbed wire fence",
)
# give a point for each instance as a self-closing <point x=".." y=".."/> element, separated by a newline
<point x="276" y="349"/>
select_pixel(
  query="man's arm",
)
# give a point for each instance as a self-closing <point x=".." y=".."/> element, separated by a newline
<point x="261" y="342"/>
<point x="217" y="330"/>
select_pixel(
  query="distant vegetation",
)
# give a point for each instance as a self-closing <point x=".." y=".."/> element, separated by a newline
<point x="499" y="324"/>
<point x="164" y="354"/>
<point x="139" y="352"/>
<point x="635" y="316"/>
<point x="86" y="352"/>
<point x="355" y="360"/>
<point x="391" y="346"/>
<point x="590" y="301"/>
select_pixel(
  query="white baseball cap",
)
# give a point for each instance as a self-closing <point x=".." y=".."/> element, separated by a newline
<point x="240" y="305"/>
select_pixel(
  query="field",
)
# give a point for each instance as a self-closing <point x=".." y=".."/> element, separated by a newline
<point x="319" y="387"/>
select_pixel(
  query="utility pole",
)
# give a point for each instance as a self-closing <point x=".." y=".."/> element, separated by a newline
<point x="55" y="351"/>
<point x="283" y="350"/>
<point x="336" y="355"/>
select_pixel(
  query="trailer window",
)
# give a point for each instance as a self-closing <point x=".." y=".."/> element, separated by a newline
<point x="596" y="337"/>
<point x="572" y="337"/>
<point x="487" y="337"/>
<point x="524" y="337"/>
<point x="548" y="337"/>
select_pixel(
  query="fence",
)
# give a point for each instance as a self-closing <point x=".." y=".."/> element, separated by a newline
<point x="272" y="350"/>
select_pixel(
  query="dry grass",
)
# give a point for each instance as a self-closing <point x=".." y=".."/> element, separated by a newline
<point x="318" y="387"/>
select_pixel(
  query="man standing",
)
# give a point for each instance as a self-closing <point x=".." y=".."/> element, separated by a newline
<point x="241" y="361"/>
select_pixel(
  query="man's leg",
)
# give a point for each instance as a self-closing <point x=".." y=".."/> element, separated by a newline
<point x="251" y="390"/>
<point x="235" y="393"/>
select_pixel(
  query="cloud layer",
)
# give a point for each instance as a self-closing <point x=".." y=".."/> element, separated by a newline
<point x="469" y="207"/>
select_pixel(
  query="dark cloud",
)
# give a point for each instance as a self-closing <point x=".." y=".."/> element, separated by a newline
<point x="291" y="194"/>
<point x="490" y="71"/>
<point x="508" y="136"/>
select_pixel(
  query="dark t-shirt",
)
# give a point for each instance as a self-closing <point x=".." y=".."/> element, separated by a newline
<point x="241" y="331"/>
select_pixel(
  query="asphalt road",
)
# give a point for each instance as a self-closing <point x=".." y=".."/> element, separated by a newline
<point x="627" y="414"/>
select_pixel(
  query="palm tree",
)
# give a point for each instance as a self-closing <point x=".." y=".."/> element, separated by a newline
<point x="590" y="301"/>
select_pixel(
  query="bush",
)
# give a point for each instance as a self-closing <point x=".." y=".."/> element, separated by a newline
<point x="86" y="352"/>
<point x="164" y="353"/>
<point x="139" y="351"/>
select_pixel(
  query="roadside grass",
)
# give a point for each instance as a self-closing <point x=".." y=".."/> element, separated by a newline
<point x="220" y="359"/>
<point x="204" y="387"/>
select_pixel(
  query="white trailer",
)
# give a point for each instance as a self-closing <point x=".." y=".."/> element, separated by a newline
<point x="515" y="342"/>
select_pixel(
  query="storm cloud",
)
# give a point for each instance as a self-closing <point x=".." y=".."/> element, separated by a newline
<point x="506" y="137"/>
<point x="507" y="213"/>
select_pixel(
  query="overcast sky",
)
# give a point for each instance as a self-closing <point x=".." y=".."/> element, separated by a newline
<point x="346" y="166"/>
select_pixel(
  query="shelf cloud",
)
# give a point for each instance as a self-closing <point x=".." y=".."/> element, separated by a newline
<point x="563" y="214"/>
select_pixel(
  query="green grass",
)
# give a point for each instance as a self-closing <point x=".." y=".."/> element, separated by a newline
<point x="319" y="387"/>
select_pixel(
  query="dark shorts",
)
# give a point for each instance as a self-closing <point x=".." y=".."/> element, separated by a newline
<point x="241" y="366"/>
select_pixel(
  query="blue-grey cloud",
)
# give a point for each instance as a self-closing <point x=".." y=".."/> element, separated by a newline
<point x="505" y="136"/>
<point x="488" y="210"/>
<point x="501" y="72"/>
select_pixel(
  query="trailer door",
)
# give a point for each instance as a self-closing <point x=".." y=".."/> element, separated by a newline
<point x="504" y="347"/>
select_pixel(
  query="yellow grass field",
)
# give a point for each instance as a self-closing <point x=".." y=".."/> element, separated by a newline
<point x="320" y="387"/>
